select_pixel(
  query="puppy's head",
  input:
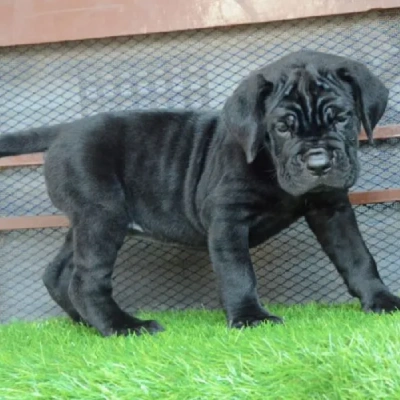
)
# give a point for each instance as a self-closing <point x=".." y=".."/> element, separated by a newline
<point x="307" y="110"/>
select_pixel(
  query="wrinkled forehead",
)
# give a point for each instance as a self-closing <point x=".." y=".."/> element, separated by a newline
<point x="307" y="83"/>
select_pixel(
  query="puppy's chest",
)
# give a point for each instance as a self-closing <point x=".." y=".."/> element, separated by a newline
<point x="270" y="224"/>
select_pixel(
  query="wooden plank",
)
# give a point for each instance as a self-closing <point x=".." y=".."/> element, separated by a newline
<point x="33" y="222"/>
<point x="382" y="132"/>
<point x="57" y="221"/>
<point x="22" y="161"/>
<point x="43" y="21"/>
<point x="375" y="196"/>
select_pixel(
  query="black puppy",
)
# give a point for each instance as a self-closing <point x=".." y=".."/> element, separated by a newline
<point x="284" y="146"/>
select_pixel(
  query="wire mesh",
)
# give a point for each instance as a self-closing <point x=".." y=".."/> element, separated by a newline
<point x="58" y="82"/>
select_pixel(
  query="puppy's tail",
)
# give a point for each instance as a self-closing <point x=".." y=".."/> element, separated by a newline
<point x="29" y="141"/>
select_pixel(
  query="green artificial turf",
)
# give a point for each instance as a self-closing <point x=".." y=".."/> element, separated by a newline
<point x="320" y="353"/>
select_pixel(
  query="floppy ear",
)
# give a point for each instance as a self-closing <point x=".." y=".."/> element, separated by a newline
<point x="243" y="111"/>
<point x="370" y="94"/>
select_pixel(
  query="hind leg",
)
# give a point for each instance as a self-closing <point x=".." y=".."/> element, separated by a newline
<point x="57" y="277"/>
<point x="98" y="235"/>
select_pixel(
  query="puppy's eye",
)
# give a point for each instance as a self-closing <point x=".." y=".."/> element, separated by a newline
<point x="341" y="117"/>
<point x="330" y="114"/>
<point x="282" y="128"/>
<point x="335" y="116"/>
<point x="290" y="120"/>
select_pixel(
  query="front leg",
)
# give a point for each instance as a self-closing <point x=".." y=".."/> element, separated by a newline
<point x="335" y="226"/>
<point x="229" y="250"/>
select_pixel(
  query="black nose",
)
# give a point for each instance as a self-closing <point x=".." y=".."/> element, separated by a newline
<point x="317" y="161"/>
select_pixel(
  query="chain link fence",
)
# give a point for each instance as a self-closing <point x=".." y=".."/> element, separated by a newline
<point x="198" y="69"/>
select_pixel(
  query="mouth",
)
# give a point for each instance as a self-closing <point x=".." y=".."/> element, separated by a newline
<point x="317" y="170"/>
<point x="323" y="188"/>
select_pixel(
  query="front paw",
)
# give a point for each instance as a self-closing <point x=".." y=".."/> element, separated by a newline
<point x="254" y="320"/>
<point x="126" y="325"/>
<point x="383" y="302"/>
